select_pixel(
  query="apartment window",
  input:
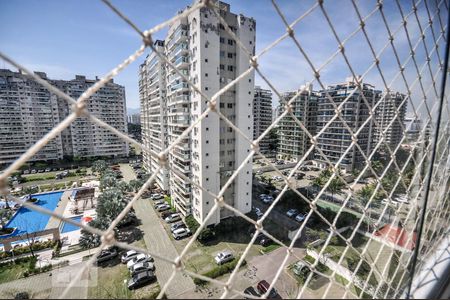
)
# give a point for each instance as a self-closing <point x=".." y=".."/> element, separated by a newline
<point x="222" y="67"/>
<point x="230" y="42"/>
<point x="222" y="142"/>
<point x="230" y="129"/>
<point x="230" y="105"/>
<point x="230" y="55"/>
<point x="250" y="80"/>
<point x="207" y="167"/>
<point x="206" y="60"/>
<point x="207" y="128"/>
<point x="206" y="15"/>
<point x="207" y="141"/>
<point x="206" y="88"/>
<point x="207" y="179"/>
<point x="206" y="74"/>
<point x="221" y="26"/>
<point x="206" y="44"/>
<point x="249" y="92"/>
<point x="249" y="116"/>
<point x="222" y="40"/>
<point x="207" y="154"/>
<point x="206" y="31"/>
<point x="230" y="68"/>
<point x="222" y="105"/>
<point x="222" y="53"/>
<point x="230" y="163"/>
<point x="251" y="42"/>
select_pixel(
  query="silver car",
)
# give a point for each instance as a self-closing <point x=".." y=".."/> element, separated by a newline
<point x="142" y="267"/>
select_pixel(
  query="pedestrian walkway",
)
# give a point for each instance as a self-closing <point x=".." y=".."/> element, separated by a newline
<point x="55" y="222"/>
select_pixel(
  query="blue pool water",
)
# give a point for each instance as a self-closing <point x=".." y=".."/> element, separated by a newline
<point x="67" y="227"/>
<point x="28" y="220"/>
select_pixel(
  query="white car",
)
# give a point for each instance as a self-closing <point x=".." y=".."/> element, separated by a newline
<point x="156" y="196"/>
<point x="162" y="207"/>
<point x="141" y="267"/>
<point x="292" y="213"/>
<point x="173" y="218"/>
<point x="267" y="200"/>
<point x="158" y="203"/>
<point x="181" y="233"/>
<point x="140" y="258"/>
<point x="223" y="257"/>
<point x="128" y="256"/>
<point x="300" y="217"/>
<point x="258" y="212"/>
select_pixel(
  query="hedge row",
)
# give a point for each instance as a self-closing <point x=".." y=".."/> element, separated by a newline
<point x="219" y="271"/>
<point x="26" y="249"/>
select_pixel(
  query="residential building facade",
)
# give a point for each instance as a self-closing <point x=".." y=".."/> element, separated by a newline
<point x="203" y="51"/>
<point x="336" y="139"/>
<point x="262" y="116"/>
<point x="134" y="119"/>
<point x="152" y="89"/>
<point x="294" y="141"/>
<point x="390" y="117"/>
<point x="28" y="111"/>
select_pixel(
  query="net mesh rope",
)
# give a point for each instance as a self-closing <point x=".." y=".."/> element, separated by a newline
<point x="419" y="74"/>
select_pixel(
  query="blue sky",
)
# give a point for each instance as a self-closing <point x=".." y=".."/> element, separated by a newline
<point x="64" y="38"/>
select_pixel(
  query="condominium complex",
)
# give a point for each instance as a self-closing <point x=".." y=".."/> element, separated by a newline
<point x="200" y="48"/>
<point x="262" y="116"/>
<point x="413" y="127"/>
<point x="152" y="90"/>
<point x="390" y="115"/>
<point x="294" y="141"/>
<point x="28" y="111"/>
<point x="336" y="139"/>
<point x="134" y="119"/>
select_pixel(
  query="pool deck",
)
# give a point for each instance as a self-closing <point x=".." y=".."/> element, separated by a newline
<point x="54" y="222"/>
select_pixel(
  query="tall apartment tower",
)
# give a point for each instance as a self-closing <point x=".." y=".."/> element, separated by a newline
<point x="201" y="49"/>
<point x="390" y="107"/>
<point x="152" y="91"/>
<point x="84" y="138"/>
<point x="294" y="141"/>
<point x="28" y="111"/>
<point x="262" y="115"/>
<point x="336" y="139"/>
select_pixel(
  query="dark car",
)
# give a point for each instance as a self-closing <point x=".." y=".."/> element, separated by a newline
<point x="106" y="255"/>
<point x="265" y="241"/>
<point x="141" y="279"/>
<point x="165" y="214"/>
<point x="263" y="287"/>
<point x="251" y="291"/>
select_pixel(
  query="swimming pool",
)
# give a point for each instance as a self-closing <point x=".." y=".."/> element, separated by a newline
<point x="28" y="220"/>
<point x="67" y="227"/>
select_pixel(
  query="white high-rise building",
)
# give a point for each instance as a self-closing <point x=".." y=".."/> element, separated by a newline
<point x="201" y="49"/>
<point x="262" y="115"/>
<point x="28" y="111"/>
<point x="152" y="89"/>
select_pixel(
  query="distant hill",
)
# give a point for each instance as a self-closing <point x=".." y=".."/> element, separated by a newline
<point x="132" y="111"/>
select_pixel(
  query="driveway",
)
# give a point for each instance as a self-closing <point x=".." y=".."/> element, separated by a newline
<point x="158" y="242"/>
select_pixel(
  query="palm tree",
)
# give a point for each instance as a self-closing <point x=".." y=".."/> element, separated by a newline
<point x="377" y="166"/>
<point x="99" y="166"/>
<point x="335" y="186"/>
<point x="108" y="181"/>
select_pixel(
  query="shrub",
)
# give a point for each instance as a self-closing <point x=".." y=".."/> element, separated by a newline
<point x="191" y="223"/>
<point x="220" y="270"/>
<point x="205" y="235"/>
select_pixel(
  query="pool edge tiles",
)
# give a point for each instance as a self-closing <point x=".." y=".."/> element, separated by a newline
<point x="28" y="220"/>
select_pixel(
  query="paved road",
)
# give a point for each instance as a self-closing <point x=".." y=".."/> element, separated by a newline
<point x="158" y="242"/>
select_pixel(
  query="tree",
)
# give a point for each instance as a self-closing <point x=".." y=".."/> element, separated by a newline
<point x="89" y="240"/>
<point x="273" y="138"/>
<point x="377" y="166"/>
<point x="110" y="204"/>
<point x="108" y="181"/>
<point x="99" y="166"/>
<point x="124" y="187"/>
<point x="335" y="186"/>
<point x="136" y="184"/>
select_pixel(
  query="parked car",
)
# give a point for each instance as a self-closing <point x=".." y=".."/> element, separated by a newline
<point x="258" y="212"/>
<point x="298" y="266"/>
<point x="163" y="207"/>
<point x="26" y="172"/>
<point x="265" y="241"/>
<point x="48" y="169"/>
<point x="263" y="287"/>
<point x="156" y="196"/>
<point x="292" y="213"/>
<point x="223" y="257"/>
<point x="140" y="258"/>
<point x="173" y="218"/>
<point x="33" y="171"/>
<point x="141" y="279"/>
<point x="310" y="177"/>
<point x="41" y="171"/>
<point x="177" y="226"/>
<point x="106" y="255"/>
<point x="300" y="217"/>
<point x="181" y="233"/>
<point x="142" y="267"/>
<point x="158" y="202"/>
<point x="165" y="214"/>
<point x="267" y="200"/>
<point x="262" y="196"/>
<point x="128" y="256"/>
<point x="251" y="291"/>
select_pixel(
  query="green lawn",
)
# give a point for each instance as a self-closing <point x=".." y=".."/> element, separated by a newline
<point x="13" y="271"/>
